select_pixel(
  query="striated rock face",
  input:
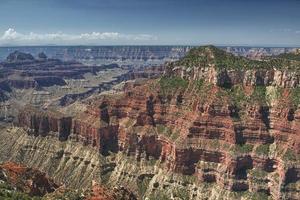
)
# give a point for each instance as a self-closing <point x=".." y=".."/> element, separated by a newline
<point x="45" y="81"/>
<point x="66" y="162"/>
<point x="27" y="180"/>
<point x="21" y="84"/>
<point x="21" y="182"/>
<point x="72" y="165"/>
<point x="232" y="129"/>
<point x="206" y="141"/>
<point x="101" y="193"/>
<point x="40" y="123"/>
<point x="48" y="81"/>
<point x="22" y="71"/>
<point x="139" y="74"/>
<point x="227" y="78"/>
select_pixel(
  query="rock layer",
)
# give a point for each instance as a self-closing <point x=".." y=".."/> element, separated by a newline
<point x="220" y="127"/>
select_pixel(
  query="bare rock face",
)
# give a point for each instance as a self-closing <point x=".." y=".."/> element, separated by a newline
<point x="227" y="77"/>
<point x="47" y="81"/>
<point x="27" y="180"/>
<point x="100" y="192"/>
<point x="19" y="56"/>
<point x="22" y="71"/>
<point x="42" y="124"/>
<point x="205" y="141"/>
<point x="3" y="96"/>
<point x="21" y="84"/>
<point x="233" y="128"/>
<point x="22" y="182"/>
<point x="42" y="56"/>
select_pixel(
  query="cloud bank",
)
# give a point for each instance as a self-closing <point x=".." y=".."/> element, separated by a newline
<point x="12" y="37"/>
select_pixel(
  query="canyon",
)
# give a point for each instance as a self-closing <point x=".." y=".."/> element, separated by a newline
<point x="136" y="55"/>
<point x="211" y="125"/>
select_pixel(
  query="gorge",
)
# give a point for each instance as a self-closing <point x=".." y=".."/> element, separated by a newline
<point x="210" y="125"/>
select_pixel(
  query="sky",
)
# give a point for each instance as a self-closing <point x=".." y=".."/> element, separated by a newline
<point x="150" y="22"/>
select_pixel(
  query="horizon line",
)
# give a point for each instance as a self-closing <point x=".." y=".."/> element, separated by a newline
<point x="182" y="45"/>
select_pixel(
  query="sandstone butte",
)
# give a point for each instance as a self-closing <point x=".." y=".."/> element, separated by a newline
<point x="223" y="121"/>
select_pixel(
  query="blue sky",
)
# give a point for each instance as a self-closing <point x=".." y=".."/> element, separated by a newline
<point x="191" y="22"/>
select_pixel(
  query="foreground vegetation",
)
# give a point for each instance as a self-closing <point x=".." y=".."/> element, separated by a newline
<point x="212" y="56"/>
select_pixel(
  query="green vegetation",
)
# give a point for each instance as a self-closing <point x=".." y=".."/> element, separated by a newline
<point x="262" y="149"/>
<point x="59" y="154"/>
<point x="290" y="155"/>
<point x="158" y="195"/>
<point x="129" y="123"/>
<point x="202" y="88"/>
<point x="174" y="135"/>
<point x="151" y="161"/>
<point x="255" y="196"/>
<point x="181" y="193"/>
<point x="274" y="93"/>
<point x="196" y="57"/>
<point x="238" y="98"/>
<point x="143" y="185"/>
<point x="105" y="177"/>
<point x="164" y="130"/>
<point x="69" y="194"/>
<point x="230" y="61"/>
<point x="186" y="179"/>
<point x="295" y="96"/>
<point x="8" y="193"/>
<point x="245" y="148"/>
<point x="200" y="83"/>
<point x="278" y="92"/>
<point x="237" y="95"/>
<point x="289" y="56"/>
<point x="210" y="55"/>
<point x="169" y="85"/>
<point x="206" y="165"/>
<point x="258" y="173"/>
<point x="221" y="93"/>
<point x="259" y="95"/>
<point x="161" y="128"/>
<point x="215" y="143"/>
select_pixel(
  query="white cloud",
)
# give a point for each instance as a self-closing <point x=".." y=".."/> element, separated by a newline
<point x="12" y="37"/>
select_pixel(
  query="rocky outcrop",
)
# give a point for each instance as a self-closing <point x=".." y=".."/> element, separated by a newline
<point x="4" y="89"/>
<point x="47" y="81"/>
<point x="154" y="72"/>
<point x="21" y="182"/>
<point x="22" y="71"/>
<point x="21" y="83"/>
<point x="42" y="124"/>
<point x="192" y="142"/>
<point x="101" y="193"/>
<point x="19" y="56"/>
<point x="222" y="127"/>
<point x="42" y="56"/>
<point x="3" y="97"/>
<point x="27" y="180"/>
<point x="227" y="78"/>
